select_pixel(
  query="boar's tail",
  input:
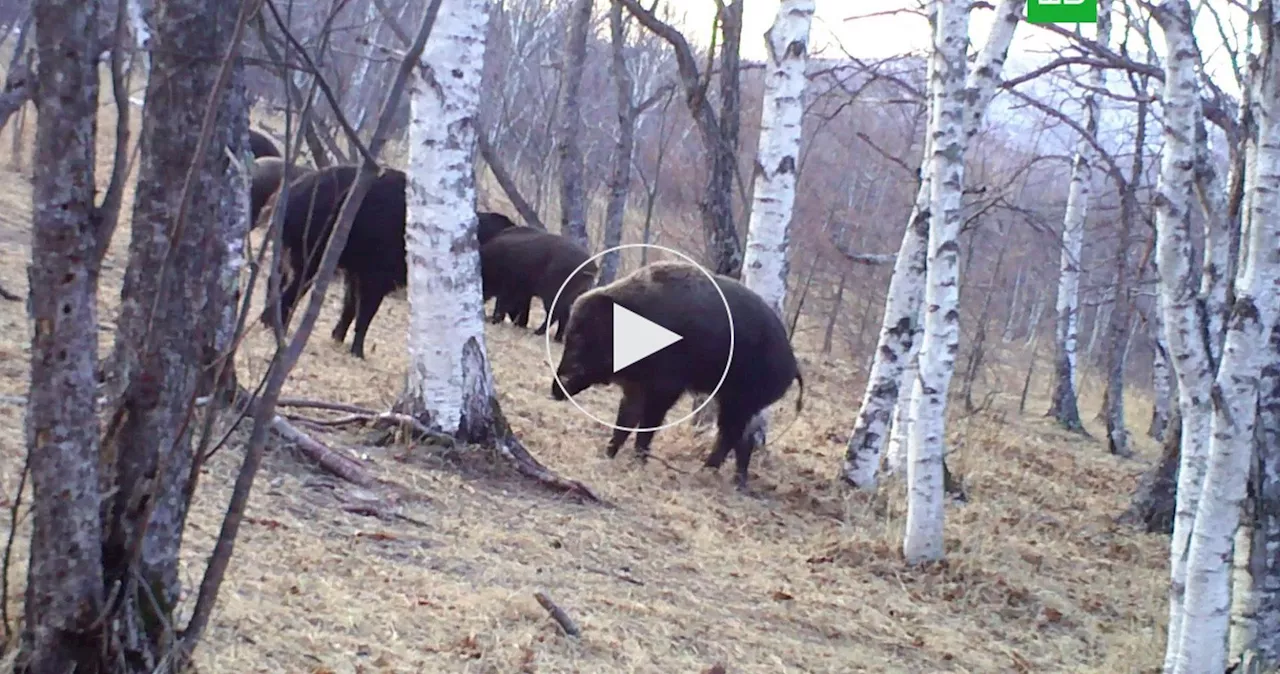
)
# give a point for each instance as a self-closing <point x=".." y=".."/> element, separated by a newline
<point x="799" y="398"/>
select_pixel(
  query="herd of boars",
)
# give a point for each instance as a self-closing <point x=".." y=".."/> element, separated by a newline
<point x="518" y="263"/>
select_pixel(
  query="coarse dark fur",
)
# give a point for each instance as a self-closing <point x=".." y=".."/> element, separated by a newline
<point x="262" y="146"/>
<point x="521" y="263"/>
<point x="268" y="175"/>
<point x="373" y="261"/>
<point x="679" y="297"/>
<point x="491" y="225"/>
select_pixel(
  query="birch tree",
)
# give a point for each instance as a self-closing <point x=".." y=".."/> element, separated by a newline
<point x="898" y="341"/>
<point x="774" y="187"/>
<point x="1064" y="407"/>
<point x="449" y="385"/>
<point x="1247" y="349"/>
<point x="773" y="193"/>
<point x="1179" y="297"/>
<point x="573" y="195"/>
<point x="923" y="539"/>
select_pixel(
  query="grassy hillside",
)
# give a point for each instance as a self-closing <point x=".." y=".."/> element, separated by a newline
<point x="685" y="573"/>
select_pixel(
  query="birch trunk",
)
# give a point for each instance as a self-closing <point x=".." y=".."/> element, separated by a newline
<point x="64" y="593"/>
<point x="623" y="151"/>
<point x="1064" y="407"/>
<point x="900" y="325"/>
<point x="1179" y="297"/>
<point x="896" y="456"/>
<point x="1245" y="352"/>
<point x="1162" y="383"/>
<point x="1120" y="329"/>
<point x="573" y="193"/>
<point x="1207" y="604"/>
<point x="1262" y="633"/>
<point x="773" y="192"/>
<point x="923" y="540"/>
<point x="449" y="385"/>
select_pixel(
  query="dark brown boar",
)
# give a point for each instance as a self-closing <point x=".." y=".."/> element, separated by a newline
<point x="679" y="297"/>
<point x="522" y="263"/>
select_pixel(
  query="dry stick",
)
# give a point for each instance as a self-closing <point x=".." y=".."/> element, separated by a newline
<point x="558" y="614"/>
<point x="8" y="552"/>
<point x="344" y="467"/>
<point x="284" y="361"/>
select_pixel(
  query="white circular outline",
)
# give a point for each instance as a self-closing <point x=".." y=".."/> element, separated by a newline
<point x="727" y="364"/>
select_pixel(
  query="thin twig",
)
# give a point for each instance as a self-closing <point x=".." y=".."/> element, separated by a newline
<point x="8" y="552"/>
<point x="566" y="623"/>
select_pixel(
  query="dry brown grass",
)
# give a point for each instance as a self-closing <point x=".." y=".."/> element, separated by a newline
<point x="801" y="578"/>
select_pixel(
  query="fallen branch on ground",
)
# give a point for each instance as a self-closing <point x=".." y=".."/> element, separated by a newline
<point x="566" y="623"/>
<point x="344" y="467"/>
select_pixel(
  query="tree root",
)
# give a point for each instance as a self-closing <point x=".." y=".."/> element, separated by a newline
<point x="511" y="449"/>
<point x="507" y="444"/>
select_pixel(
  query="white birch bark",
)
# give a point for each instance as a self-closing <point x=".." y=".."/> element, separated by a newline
<point x="448" y="371"/>
<point x="1245" y="352"/>
<point x="1263" y="635"/>
<point x="1161" y="380"/>
<point x="1178" y="294"/>
<point x="1065" y="406"/>
<point x="1207" y="603"/>
<point x="923" y="540"/>
<point x="896" y="455"/>
<point x="773" y="193"/>
<point x="900" y="325"/>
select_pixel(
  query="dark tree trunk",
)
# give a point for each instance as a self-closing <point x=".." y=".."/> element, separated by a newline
<point x="171" y="311"/>
<point x="1154" y="502"/>
<point x="724" y="245"/>
<point x="64" y="593"/>
<point x="573" y="192"/>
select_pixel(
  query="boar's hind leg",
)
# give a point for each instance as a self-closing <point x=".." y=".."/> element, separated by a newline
<point x="350" y="304"/>
<point x="732" y="428"/>
<point x="657" y="402"/>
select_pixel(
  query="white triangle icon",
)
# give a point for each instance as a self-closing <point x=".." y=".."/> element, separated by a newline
<point x="636" y="337"/>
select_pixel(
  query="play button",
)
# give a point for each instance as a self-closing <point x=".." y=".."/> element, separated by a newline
<point x="636" y="337"/>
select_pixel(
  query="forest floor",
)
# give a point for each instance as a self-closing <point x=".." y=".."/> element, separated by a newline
<point x="685" y="572"/>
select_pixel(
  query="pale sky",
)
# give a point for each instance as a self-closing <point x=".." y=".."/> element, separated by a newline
<point x="882" y="36"/>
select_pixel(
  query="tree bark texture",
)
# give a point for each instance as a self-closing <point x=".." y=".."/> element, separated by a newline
<point x="1119" y="331"/>
<point x="623" y="151"/>
<point x="1065" y="408"/>
<point x="449" y="385"/>
<point x="573" y="193"/>
<point x="64" y="592"/>
<point x="773" y="192"/>
<point x="173" y="305"/>
<point x="900" y="325"/>
<point x="1162" y="380"/>
<point x="1247" y="349"/>
<point x="923" y="540"/>
<point x="1179" y="296"/>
